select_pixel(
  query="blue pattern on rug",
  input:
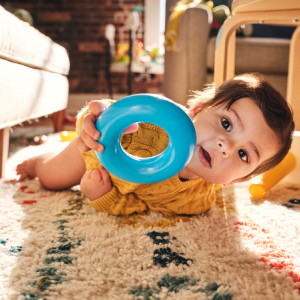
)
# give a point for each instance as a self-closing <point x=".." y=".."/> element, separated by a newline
<point x="51" y="275"/>
<point x="165" y="256"/>
<point x="32" y="296"/>
<point x="15" y="249"/>
<point x="176" y="284"/>
<point x="3" y="242"/>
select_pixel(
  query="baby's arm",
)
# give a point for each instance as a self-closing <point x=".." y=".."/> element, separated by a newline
<point x="95" y="183"/>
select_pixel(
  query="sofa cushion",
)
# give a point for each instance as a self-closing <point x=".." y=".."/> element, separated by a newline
<point x="23" y="44"/>
<point x="264" y="55"/>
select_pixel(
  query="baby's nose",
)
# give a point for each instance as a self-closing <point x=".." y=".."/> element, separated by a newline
<point x="224" y="147"/>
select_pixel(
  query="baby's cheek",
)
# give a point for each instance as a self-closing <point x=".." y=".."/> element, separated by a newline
<point x="226" y="173"/>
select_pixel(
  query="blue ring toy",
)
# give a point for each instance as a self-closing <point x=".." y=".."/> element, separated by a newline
<point x="145" y="108"/>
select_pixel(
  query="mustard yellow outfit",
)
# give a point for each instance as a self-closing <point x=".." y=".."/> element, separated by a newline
<point x="172" y="195"/>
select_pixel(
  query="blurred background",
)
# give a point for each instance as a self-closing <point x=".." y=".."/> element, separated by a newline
<point x="88" y="28"/>
<point x="117" y="47"/>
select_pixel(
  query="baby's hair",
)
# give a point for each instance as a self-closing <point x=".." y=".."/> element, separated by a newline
<point x="276" y="111"/>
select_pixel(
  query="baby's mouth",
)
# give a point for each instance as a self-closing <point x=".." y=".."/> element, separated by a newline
<point x="204" y="157"/>
<point x="207" y="156"/>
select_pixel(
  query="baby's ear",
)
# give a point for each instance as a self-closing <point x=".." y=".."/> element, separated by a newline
<point x="192" y="112"/>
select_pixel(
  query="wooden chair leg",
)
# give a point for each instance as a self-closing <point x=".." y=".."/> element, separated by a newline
<point x="4" y="145"/>
<point x="230" y="56"/>
<point x="293" y="87"/>
<point x="225" y="50"/>
<point x="220" y="57"/>
<point x="58" y="118"/>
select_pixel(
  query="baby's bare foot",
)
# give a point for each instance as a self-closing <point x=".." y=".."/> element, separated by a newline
<point x="26" y="169"/>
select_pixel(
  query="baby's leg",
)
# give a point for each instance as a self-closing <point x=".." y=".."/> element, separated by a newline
<point x="55" y="172"/>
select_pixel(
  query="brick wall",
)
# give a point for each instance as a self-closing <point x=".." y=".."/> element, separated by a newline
<point x="79" y="26"/>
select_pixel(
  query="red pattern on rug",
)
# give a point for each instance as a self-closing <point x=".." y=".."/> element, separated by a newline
<point x="275" y="257"/>
<point x="28" y="202"/>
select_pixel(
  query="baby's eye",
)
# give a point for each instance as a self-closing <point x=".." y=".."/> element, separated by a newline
<point x="243" y="155"/>
<point x="226" y="124"/>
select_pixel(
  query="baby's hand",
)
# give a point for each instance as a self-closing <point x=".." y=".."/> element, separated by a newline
<point x="89" y="134"/>
<point x="95" y="183"/>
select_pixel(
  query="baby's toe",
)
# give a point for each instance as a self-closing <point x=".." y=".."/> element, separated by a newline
<point x="23" y="177"/>
<point x="21" y="170"/>
<point x="21" y="167"/>
<point x="26" y="169"/>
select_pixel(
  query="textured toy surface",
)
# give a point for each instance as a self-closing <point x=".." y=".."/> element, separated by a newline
<point x="146" y="108"/>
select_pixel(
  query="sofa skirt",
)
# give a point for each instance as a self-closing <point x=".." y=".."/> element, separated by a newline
<point x="27" y="93"/>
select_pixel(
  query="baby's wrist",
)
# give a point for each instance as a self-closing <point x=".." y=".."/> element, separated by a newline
<point x="94" y="198"/>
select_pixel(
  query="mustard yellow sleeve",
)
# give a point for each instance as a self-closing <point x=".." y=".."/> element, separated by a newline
<point x="116" y="203"/>
<point x="84" y="111"/>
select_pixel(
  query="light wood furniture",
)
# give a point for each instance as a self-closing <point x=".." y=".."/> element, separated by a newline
<point x="273" y="12"/>
<point x="190" y="68"/>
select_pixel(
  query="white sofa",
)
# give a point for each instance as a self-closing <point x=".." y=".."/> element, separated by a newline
<point x="33" y="80"/>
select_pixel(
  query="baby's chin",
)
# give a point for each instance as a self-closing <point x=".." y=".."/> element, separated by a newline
<point x="215" y="179"/>
<point x="210" y="175"/>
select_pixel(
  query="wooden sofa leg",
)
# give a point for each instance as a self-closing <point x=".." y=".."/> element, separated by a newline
<point x="58" y="119"/>
<point x="4" y="144"/>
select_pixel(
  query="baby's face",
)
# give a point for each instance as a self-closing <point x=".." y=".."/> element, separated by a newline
<point x="230" y="143"/>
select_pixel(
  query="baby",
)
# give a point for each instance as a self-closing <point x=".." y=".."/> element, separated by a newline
<point x="244" y="128"/>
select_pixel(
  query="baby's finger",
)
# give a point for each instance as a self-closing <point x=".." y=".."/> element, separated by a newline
<point x="81" y="145"/>
<point x="96" y="107"/>
<point x="88" y="174"/>
<point x="88" y="125"/>
<point x="132" y="128"/>
<point x="105" y="175"/>
<point x="91" y="143"/>
<point x="96" y="175"/>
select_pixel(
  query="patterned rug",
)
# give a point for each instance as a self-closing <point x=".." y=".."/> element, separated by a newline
<point x="55" y="246"/>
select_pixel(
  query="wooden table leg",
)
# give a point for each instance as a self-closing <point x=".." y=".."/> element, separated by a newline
<point x="58" y="119"/>
<point x="230" y="56"/>
<point x="4" y="145"/>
